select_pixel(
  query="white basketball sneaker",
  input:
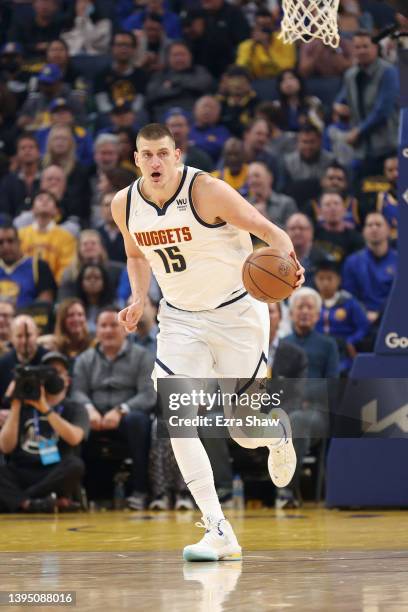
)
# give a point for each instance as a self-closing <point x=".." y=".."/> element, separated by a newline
<point x="219" y="542"/>
<point x="282" y="456"/>
<point x="282" y="462"/>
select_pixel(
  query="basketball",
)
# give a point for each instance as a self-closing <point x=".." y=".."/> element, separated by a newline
<point x="269" y="275"/>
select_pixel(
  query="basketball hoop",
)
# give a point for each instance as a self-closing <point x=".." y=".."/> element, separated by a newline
<point x="309" y="19"/>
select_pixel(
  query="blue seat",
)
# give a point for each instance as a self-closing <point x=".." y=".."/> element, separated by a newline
<point x="324" y="88"/>
<point x="265" y="89"/>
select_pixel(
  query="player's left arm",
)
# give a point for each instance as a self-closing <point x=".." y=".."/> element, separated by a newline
<point x="216" y="201"/>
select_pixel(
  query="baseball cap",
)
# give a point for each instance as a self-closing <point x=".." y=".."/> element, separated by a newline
<point x="11" y="48"/>
<point x="50" y="74"/>
<point x="55" y="356"/>
<point x="58" y="104"/>
<point x="122" y="106"/>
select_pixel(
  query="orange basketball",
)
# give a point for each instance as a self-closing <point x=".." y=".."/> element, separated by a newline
<point x="269" y="275"/>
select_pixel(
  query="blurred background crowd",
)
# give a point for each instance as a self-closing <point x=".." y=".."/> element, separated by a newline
<point x="307" y="133"/>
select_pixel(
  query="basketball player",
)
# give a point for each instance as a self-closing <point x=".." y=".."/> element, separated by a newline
<point x="193" y="231"/>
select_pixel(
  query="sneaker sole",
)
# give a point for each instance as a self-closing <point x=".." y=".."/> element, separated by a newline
<point x="278" y="482"/>
<point x="190" y="555"/>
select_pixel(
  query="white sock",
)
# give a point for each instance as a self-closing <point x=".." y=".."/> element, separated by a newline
<point x="196" y="470"/>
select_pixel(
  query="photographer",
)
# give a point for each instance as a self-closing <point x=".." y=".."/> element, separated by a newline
<point x="41" y="437"/>
<point x="24" y="336"/>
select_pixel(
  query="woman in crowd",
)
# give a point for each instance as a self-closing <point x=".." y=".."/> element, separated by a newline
<point x="93" y="289"/>
<point x="297" y="107"/>
<point x="57" y="53"/>
<point x="89" y="250"/>
<point x="71" y="335"/>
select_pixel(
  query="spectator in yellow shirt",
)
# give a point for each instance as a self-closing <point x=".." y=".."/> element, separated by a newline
<point x="265" y="55"/>
<point x="45" y="239"/>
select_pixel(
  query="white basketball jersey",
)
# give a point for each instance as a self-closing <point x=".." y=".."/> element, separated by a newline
<point x="198" y="266"/>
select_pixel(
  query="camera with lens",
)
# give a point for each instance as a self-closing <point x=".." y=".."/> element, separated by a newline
<point x="29" y="380"/>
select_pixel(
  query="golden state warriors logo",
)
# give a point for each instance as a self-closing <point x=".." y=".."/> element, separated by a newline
<point x="340" y="314"/>
<point x="123" y="90"/>
<point x="9" y="290"/>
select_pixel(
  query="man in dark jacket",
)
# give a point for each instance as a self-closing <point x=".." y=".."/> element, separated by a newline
<point x="371" y="92"/>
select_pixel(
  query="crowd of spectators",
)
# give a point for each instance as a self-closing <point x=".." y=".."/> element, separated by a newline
<point x="307" y="133"/>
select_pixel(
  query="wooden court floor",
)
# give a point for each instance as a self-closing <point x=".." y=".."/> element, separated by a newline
<point x="304" y="560"/>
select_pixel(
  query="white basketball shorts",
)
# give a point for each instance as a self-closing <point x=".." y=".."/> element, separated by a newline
<point x="229" y="341"/>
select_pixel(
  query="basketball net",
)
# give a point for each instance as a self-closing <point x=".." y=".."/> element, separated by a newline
<point x="309" y="19"/>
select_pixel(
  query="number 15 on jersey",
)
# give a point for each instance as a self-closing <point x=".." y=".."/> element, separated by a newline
<point x="172" y="259"/>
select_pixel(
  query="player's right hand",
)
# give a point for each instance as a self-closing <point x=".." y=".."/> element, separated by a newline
<point x="129" y="316"/>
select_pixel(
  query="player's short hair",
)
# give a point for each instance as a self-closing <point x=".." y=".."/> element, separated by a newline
<point x="154" y="131"/>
